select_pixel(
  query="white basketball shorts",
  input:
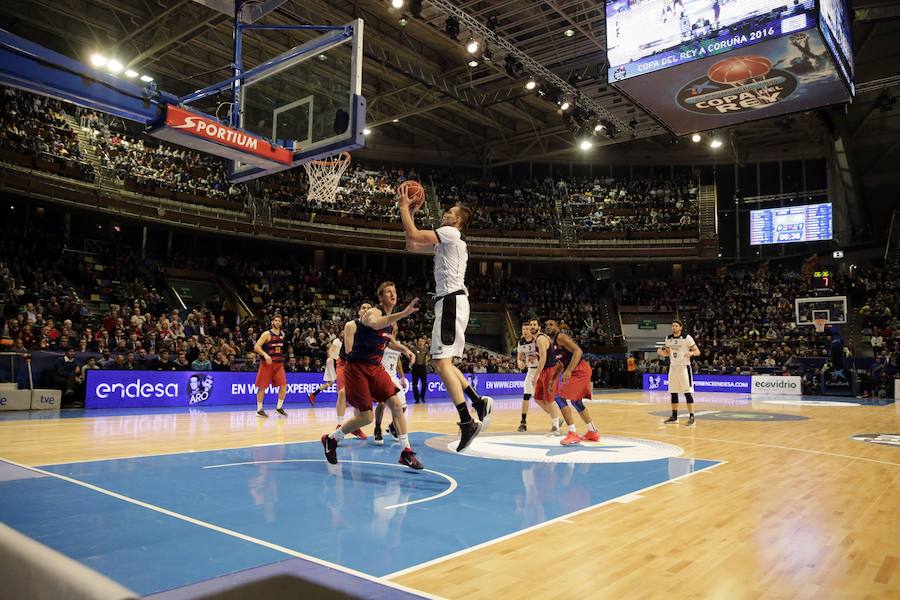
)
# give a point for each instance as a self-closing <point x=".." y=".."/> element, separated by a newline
<point x="448" y="335"/>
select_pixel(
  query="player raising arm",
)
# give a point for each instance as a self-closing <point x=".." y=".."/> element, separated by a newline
<point x="451" y="308"/>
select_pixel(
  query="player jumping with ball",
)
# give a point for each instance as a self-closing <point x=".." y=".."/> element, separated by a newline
<point x="680" y="348"/>
<point x="451" y="304"/>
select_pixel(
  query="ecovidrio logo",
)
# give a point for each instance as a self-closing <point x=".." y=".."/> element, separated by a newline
<point x="769" y="384"/>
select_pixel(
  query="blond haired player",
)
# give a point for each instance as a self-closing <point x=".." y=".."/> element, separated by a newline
<point x="451" y="307"/>
<point x="680" y="348"/>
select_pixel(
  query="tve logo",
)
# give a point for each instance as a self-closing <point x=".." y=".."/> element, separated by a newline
<point x="3" y="401"/>
<point x="47" y="400"/>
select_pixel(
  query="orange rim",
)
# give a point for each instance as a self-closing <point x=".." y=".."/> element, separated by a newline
<point x="342" y="158"/>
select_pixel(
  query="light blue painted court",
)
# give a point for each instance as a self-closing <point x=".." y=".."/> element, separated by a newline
<point x="162" y="522"/>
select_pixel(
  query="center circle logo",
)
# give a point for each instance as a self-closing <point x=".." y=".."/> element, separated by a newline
<point x="539" y="447"/>
<point x="199" y="388"/>
<point x="737" y="84"/>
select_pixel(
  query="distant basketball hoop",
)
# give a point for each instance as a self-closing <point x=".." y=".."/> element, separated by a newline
<point x="325" y="176"/>
<point x="819" y="324"/>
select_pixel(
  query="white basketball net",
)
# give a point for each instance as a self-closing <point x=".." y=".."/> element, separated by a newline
<point x="325" y="176"/>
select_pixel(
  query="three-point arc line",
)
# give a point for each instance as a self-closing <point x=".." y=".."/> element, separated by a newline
<point x="449" y="490"/>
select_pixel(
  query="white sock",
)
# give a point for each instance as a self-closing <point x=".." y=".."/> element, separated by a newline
<point x="337" y="434"/>
<point x="556" y="422"/>
<point x="572" y="428"/>
<point x="404" y="441"/>
<point x="591" y="427"/>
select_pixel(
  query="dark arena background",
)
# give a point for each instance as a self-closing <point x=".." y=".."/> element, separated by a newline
<point x="635" y="270"/>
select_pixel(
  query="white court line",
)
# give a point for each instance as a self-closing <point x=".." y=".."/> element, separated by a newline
<point x="560" y="519"/>
<point x="192" y="450"/>
<point x="229" y="532"/>
<point x="776" y="447"/>
<point x="449" y="490"/>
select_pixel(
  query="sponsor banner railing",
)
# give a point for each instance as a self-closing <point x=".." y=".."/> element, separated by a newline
<point x="737" y="384"/>
<point x="782" y="386"/>
<point x="132" y="389"/>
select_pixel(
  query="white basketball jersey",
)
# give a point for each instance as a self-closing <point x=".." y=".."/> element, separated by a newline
<point x="678" y="350"/>
<point x="389" y="362"/>
<point x="530" y="350"/>
<point x="337" y="343"/>
<point x="450" y="258"/>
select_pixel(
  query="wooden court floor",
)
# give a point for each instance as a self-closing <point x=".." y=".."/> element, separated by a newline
<point x="798" y="510"/>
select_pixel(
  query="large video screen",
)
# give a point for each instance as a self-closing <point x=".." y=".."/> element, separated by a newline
<point x="643" y="36"/>
<point x="835" y="18"/>
<point x="779" y="76"/>
<point x="808" y="223"/>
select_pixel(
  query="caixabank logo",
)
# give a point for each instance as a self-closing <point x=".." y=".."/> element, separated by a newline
<point x="199" y="388"/>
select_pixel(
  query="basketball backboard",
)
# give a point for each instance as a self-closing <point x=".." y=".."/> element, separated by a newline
<point x="307" y="99"/>
<point x="831" y="308"/>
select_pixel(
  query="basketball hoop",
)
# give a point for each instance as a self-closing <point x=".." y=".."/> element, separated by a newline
<point x="325" y="176"/>
<point x="819" y="324"/>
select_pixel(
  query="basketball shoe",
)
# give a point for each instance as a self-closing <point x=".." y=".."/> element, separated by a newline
<point x="393" y="431"/>
<point x="483" y="408"/>
<point x="330" y="446"/>
<point x="522" y="427"/>
<point x="591" y="436"/>
<point x="691" y="419"/>
<point x="467" y="433"/>
<point x="571" y="439"/>
<point x="408" y="458"/>
<point x="672" y="419"/>
<point x="378" y="439"/>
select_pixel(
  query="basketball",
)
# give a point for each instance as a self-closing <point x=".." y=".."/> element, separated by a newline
<point x="739" y="68"/>
<point x="416" y="193"/>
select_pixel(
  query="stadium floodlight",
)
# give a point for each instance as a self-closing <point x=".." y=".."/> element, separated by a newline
<point x="530" y="84"/>
<point x="98" y="60"/>
<point x="586" y="144"/>
<point x="715" y="144"/>
<point x="472" y="46"/>
<point x="564" y="104"/>
<point x="696" y="138"/>
<point x="131" y="73"/>
<point x="114" y="66"/>
<point x="403" y="21"/>
<point x="398" y="4"/>
<point x="367" y="131"/>
<point x="598" y="127"/>
<point x="472" y="63"/>
<point x="146" y="78"/>
<point x="395" y="120"/>
<point x="569" y="32"/>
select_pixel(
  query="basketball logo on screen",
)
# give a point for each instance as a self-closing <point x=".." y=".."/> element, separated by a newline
<point x="737" y="84"/>
<point x="199" y="388"/>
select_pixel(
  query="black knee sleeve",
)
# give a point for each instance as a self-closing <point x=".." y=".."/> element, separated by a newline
<point x="674" y="398"/>
<point x="689" y="398"/>
<point x="526" y="397"/>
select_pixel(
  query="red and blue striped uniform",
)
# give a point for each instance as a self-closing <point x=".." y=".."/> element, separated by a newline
<point x="368" y="343"/>
<point x="275" y="347"/>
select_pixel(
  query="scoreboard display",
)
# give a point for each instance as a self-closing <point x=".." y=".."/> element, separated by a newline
<point x="650" y="35"/>
<point x="699" y="65"/>
<point x="808" y="223"/>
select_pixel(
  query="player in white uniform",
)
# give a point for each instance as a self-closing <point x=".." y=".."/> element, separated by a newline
<point x="680" y="348"/>
<point x="391" y="363"/>
<point x="333" y="353"/>
<point x="527" y="358"/>
<point x="451" y="308"/>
